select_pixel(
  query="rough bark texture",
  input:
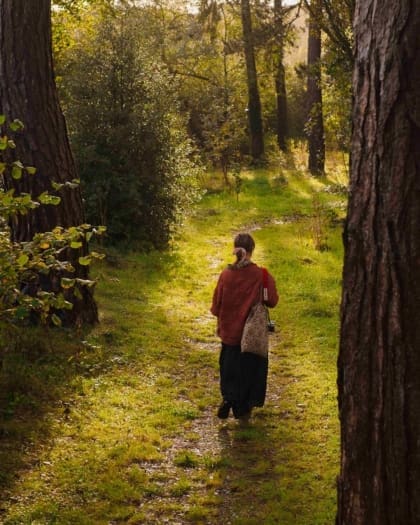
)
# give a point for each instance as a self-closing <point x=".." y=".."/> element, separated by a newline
<point x="379" y="359"/>
<point x="315" y="123"/>
<point x="28" y="92"/>
<point x="280" y="78"/>
<point x="254" y="103"/>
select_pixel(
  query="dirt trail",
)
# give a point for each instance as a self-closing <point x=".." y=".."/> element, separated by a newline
<point x="240" y="457"/>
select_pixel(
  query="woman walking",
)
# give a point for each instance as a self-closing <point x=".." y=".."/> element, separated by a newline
<point x="243" y="376"/>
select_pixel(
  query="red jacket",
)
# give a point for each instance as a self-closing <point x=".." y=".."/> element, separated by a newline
<point x="236" y="292"/>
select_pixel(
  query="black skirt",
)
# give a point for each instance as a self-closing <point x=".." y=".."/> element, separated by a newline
<point x="243" y="379"/>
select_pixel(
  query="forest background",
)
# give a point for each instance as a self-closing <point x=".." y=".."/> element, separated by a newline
<point x="153" y="93"/>
<point x="176" y="111"/>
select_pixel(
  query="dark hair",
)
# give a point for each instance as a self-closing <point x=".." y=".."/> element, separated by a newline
<point x="245" y="241"/>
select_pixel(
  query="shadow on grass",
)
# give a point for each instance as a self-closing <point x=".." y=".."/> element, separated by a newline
<point x="251" y="489"/>
<point x="41" y="369"/>
<point x="126" y="353"/>
<point x="36" y="367"/>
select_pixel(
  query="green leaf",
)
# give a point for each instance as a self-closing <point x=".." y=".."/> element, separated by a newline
<point x="42" y="197"/>
<point x="76" y="244"/>
<point x="2" y="119"/>
<point x="26" y="198"/>
<point x="3" y="143"/>
<point x="16" y="125"/>
<point x="54" y="200"/>
<point x="46" y="198"/>
<point x="2" y="167"/>
<point x="86" y="282"/>
<point x="97" y="255"/>
<point x="31" y="170"/>
<point x="23" y="259"/>
<point x="71" y="185"/>
<point x="42" y="267"/>
<point x="84" y="261"/>
<point x="67" y="283"/>
<point x="58" y="231"/>
<point x="56" y="320"/>
<point x="16" y="172"/>
<point x="11" y="144"/>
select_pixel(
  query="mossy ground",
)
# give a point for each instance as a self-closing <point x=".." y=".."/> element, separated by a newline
<point x="117" y="425"/>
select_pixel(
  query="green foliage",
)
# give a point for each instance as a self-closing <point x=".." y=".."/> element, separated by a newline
<point x="337" y="100"/>
<point x="336" y="22"/>
<point x="30" y="271"/>
<point x="137" y="166"/>
<point x="236" y="172"/>
<point x="202" y="53"/>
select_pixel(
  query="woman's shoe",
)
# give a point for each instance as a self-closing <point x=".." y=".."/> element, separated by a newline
<point x="224" y="409"/>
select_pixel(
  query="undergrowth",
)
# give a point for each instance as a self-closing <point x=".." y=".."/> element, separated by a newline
<point x="117" y="425"/>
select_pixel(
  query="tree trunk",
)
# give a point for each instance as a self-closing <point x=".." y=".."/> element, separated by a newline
<point x="379" y="358"/>
<point x="280" y="78"/>
<point x="315" y="122"/>
<point x="28" y="92"/>
<point x="254" y="103"/>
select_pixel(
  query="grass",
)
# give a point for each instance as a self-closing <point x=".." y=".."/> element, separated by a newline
<point x="117" y="425"/>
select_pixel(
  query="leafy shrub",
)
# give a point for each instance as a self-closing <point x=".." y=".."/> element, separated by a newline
<point x="35" y="276"/>
<point x="136" y="163"/>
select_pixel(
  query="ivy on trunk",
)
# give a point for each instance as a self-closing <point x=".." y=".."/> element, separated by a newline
<point x="28" y="92"/>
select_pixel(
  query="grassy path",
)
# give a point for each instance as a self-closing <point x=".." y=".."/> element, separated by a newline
<point x="121" y="428"/>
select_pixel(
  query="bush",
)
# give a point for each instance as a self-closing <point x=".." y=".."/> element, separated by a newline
<point x="136" y="163"/>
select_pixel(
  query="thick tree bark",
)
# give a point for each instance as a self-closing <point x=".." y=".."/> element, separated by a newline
<point x="379" y="359"/>
<point x="315" y="122"/>
<point x="280" y="78"/>
<point x="254" y="103"/>
<point x="28" y="92"/>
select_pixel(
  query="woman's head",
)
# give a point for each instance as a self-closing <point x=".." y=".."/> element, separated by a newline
<point x="244" y="245"/>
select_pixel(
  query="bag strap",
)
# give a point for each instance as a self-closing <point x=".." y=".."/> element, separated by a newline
<point x="265" y="291"/>
<point x="265" y="284"/>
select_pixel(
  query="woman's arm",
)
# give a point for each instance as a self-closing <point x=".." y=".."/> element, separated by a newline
<point x="217" y="298"/>
<point x="273" y="296"/>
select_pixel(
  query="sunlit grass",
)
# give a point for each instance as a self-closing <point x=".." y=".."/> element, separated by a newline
<point x="120" y="428"/>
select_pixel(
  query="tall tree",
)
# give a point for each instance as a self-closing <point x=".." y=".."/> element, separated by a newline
<point x="335" y="20"/>
<point x="315" y="122"/>
<point x="28" y="92"/>
<point x="254" y="102"/>
<point x="280" y="76"/>
<point x="379" y="359"/>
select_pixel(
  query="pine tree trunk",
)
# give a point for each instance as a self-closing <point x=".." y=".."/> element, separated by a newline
<point x="379" y="358"/>
<point x="254" y="103"/>
<point x="280" y="78"/>
<point x="315" y="122"/>
<point x="28" y="92"/>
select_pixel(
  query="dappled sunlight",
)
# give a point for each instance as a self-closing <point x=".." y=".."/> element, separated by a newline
<point x="139" y="439"/>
